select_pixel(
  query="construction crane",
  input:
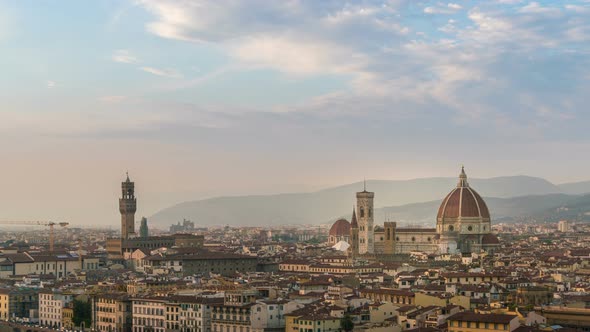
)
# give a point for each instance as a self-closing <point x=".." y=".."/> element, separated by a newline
<point x="41" y="223"/>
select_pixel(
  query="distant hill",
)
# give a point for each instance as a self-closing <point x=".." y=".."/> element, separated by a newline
<point x="576" y="208"/>
<point x="575" y="188"/>
<point x="325" y="205"/>
<point x="501" y="208"/>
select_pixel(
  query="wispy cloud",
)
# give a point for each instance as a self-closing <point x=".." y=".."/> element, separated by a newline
<point x="124" y="56"/>
<point x="51" y="84"/>
<point x="161" y="72"/>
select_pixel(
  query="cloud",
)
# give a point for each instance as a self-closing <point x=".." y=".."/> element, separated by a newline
<point x="124" y="56"/>
<point x="51" y="84"/>
<point x="472" y="70"/>
<point x="291" y="56"/>
<point x="161" y="72"/>
<point x="536" y="8"/>
<point x="450" y="8"/>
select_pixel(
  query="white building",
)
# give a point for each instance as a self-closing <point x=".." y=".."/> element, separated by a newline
<point x="267" y="316"/>
<point x="51" y="306"/>
<point x="563" y="226"/>
<point x="149" y="314"/>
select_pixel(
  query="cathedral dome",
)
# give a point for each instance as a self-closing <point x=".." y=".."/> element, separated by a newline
<point x="340" y="228"/>
<point x="463" y="202"/>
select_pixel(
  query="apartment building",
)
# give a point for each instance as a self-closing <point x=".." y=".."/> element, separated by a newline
<point x="51" y="305"/>
<point x="149" y="314"/>
<point x="111" y="312"/>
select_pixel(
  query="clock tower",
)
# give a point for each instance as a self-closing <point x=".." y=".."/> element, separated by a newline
<point x="127" y="207"/>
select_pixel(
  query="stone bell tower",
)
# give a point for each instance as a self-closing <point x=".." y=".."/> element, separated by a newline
<point x="127" y="207"/>
<point x="364" y="205"/>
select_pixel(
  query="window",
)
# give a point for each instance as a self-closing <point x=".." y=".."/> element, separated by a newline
<point x="362" y="212"/>
<point x="451" y="228"/>
<point x="470" y="228"/>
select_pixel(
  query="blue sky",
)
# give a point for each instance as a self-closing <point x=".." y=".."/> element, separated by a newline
<point x="201" y="98"/>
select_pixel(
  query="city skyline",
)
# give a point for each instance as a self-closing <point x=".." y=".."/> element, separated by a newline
<point x="206" y="98"/>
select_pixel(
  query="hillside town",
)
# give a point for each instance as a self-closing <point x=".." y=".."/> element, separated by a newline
<point x="466" y="274"/>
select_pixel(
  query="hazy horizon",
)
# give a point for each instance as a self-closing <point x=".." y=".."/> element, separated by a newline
<point x="201" y="98"/>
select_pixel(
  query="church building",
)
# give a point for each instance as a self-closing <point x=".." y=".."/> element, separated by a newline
<point x="463" y="225"/>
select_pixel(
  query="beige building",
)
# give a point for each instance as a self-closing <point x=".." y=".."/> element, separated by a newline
<point x="395" y="296"/>
<point x="442" y="300"/>
<point x="111" y="313"/>
<point x="313" y="319"/>
<point x="235" y="312"/>
<point x="149" y="314"/>
<point x="22" y="264"/>
<point x="468" y="321"/>
<point x="67" y="321"/>
<point x="190" y="314"/>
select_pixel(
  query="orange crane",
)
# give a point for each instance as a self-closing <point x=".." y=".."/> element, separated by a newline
<point x="42" y="223"/>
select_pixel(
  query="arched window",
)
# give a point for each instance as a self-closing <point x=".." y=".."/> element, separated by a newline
<point x="362" y="212"/>
<point x="370" y="212"/>
<point x="388" y="234"/>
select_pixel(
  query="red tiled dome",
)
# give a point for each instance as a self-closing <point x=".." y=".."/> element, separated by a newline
<point x="463" y="202"/>
<point x="490" y="239"/>
<point x="340" y="228"/>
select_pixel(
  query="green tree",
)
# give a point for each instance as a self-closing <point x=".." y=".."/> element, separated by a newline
<point x="346" y="323"/>
<point x="82" y="313"/>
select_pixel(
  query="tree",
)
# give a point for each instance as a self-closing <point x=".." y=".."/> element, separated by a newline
<point x="82" y="313"/>
<point x="346" y="323"/>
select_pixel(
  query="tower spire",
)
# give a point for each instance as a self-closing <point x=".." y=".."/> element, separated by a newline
<point x="462" y="178"/>
<point x="353" y="222"/>
<point x="364" y="184"/>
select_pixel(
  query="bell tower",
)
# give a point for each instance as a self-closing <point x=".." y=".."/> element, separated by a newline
<point x="127" y="207"/>
<point x="364" y="205"/>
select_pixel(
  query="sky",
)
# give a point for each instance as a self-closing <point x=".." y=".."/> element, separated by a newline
<point x="201" y="98"/>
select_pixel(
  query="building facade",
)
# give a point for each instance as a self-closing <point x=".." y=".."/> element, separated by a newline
<point x="51" y="305"/>
<point x="463" y="225"/>
<point x="112" y="312"/>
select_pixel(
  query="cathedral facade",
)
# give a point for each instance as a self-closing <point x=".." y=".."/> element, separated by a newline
<point x="463" y="225"/>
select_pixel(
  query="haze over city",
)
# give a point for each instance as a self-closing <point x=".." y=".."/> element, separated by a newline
<point x="294" y="166"/>
<point x="199" y="99"/>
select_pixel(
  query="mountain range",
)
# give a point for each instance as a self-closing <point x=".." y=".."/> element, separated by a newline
<point x="407" y="201"/>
